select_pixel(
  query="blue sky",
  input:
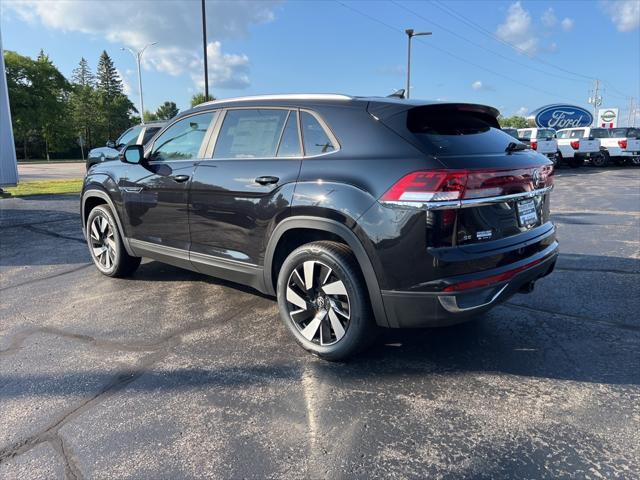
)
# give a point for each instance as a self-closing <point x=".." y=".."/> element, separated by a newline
<point x="515" y="56"/>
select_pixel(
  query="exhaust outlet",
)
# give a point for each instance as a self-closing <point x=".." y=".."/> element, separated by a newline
<point x="527" y="287"/>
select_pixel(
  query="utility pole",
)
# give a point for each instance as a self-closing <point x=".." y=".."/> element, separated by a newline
<point x="631" y="115"/>
<point x="204" y="46"/>
<point x="138" y="56"/>
<point x="596" y="100"/>
<point x="410" y="34"/>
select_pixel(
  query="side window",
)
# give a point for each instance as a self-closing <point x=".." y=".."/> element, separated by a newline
<point x="148" y="134"/>
<point x="250" y="133"/>
<point x="182" y="140"/>
<point x="315" y="139"/>
<point x="290" y="141"/>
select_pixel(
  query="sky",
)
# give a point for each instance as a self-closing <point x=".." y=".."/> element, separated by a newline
<point x="515" y="56"/>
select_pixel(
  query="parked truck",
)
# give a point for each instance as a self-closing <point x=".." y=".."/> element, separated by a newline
<point x="575" y="145"/>
<point x="542" y="140"/>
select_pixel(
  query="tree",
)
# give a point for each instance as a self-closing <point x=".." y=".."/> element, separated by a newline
<point x="83" y="102"/>
<point x="514" y="122"/>
<point x="199" y="98"/>
<point x="114" y="106"/>
<point x="167" y="111"/>
<point x="149" y="116"/>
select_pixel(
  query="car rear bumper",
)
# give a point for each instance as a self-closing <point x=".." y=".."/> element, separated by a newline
<point x="406" y="309"/>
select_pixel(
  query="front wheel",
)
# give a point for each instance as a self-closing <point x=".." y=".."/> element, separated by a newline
<point x="323" y="300"/>
<point x="105" y="245"/>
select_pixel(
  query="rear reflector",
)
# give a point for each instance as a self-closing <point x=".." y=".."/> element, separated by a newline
<point x="446" y="185"/>
<point x="501" y="277"/>
<point x="534" y="145"/>
<point x="622" y="144"/>
<point x="575" y="144"/>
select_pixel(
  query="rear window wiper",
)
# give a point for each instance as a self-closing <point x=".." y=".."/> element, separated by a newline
<point x="515" y="147"/>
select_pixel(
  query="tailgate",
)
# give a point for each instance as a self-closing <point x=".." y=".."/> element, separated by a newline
<point x="589" y="146"/>
<point x="547" y="146"/>
<point x="633" y="145"/>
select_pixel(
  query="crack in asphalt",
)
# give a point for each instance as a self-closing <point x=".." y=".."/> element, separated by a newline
<point x="626" y="326"/>
<point x="41" y="279"/>
<point x="71" y="470"/>
<point x="52" y="234"/>
<point x="118" y="382"/>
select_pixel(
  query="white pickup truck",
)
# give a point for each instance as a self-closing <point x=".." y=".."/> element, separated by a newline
<point x="542" y="140"/>
<point x="575" y="145"/>
<point x="622" y="145"/>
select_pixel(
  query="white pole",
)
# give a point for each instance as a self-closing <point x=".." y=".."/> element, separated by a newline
<point x="8" y="161"/>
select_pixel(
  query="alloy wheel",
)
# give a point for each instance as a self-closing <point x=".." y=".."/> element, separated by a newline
<point x="103" y="244"/>
<point x="318" y="303"/>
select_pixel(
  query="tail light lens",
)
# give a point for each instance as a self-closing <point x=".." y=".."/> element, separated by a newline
<point x="623" y="144"/>
<point x="575" y="144"/>
<point x="445" y="185"/>
<point x="534" y="145"/>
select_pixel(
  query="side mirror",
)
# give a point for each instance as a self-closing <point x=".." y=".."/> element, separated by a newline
<point x="111" y="144"/>
<point x="133" y="154"/>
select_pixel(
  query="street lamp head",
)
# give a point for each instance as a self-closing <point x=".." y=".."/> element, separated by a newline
<point x="409" y="32"/>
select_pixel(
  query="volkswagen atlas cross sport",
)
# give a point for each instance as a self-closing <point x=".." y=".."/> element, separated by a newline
<point x="355" y="212"/>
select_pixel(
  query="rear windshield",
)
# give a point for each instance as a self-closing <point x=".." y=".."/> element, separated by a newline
<point x="600" y="133"/>
<point x="625" y="132"/>
<point x="448" y="131"/>
<point x="546" y="133"/>
<point x="576" y="134"/>
<point x="511" y="131"/>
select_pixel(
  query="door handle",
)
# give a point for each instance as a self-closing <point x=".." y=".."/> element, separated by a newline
<point x="266" y="180"/>
<point x="181" y="178"/>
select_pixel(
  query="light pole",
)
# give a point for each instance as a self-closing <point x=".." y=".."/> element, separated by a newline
<point x="138" y="56"/>
<point x="410" y="34"/>
<point x="204" y="47"/>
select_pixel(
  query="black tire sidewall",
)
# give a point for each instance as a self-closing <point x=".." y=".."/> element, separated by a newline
<point x="102" y="210"/>
<point x="359" y="322"/>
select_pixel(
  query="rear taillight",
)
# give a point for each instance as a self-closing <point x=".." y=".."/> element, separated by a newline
<point x="446" y="185"/>
<point x="534" y="145"/>
<point x="623" y="144"/>
<point x="575" y="144"/>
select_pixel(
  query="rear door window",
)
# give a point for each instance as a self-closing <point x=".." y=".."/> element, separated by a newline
<point x="600" y="133"/>
<point x="290" y="141"/>
<point x="526" y="134"/>
<point x="563" y="134"/>
<point x="544" y="133"/>
<point x="129" y="137"/>
<point x="315" y="139"/>
<point x="250" y="133"/>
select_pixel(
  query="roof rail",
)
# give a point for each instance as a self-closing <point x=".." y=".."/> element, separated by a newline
<point x="284" y="96"/>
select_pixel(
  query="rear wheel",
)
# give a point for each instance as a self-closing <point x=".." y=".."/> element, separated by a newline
<point x="323" y="300"/>
<point x="600" y="160"/>
<point x="105" y="245"/>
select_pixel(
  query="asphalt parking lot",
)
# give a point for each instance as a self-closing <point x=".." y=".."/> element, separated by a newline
<point x="51" y="170"/>
<point x="171" y="374"/>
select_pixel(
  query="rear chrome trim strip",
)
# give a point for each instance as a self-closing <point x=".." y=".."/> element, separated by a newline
<point x="470" y="202"/>
<point x="450" y="303"/>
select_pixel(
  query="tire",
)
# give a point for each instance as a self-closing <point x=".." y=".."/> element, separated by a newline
<point x="601" y="160"/>
<point x="105" y="244"/>
<point x="576" y="162"/>
<point x="333" y="323"/>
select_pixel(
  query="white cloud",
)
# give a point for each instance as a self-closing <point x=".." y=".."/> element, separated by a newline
<point x="566" y="24"/>
<point x="174" y="25"/>
<point x="517" y="29"/>
<point x="478" y="85"/>
<point x="548" y="18"/>
<point x="126" y="85"/>
<point x="522" y="111"/>
<point x="625" y="14"/>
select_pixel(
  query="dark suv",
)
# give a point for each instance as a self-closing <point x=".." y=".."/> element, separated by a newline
<point x="355" y="212"/>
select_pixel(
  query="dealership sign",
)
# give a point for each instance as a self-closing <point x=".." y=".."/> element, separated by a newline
<point x="608" y="117"/>
<point x="562" y="116"/>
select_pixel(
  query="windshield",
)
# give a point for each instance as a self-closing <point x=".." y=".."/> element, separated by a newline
<point x="129" y="137"/>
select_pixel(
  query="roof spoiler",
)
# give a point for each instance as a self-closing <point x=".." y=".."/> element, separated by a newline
<point x="385" y="110"/>
<point x="398" y="94"/>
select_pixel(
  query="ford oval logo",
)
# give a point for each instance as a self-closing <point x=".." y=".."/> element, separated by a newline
<point x="563" y="116"/>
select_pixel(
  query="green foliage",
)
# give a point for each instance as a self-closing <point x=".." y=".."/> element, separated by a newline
<point x="114" y="107"/>
<point x="149" y="116"/>
<point x="83" y="103"/>
<point x="167" y="111"/>
<point x="199" y="98"/>
<point x="514" y="122"/>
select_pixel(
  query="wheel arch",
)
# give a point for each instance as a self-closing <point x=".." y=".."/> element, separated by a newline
<point x="341" y="233"/>
<point x="89" y="198"/>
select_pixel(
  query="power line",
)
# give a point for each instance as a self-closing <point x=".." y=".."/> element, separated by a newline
<point x="451" y="54"/>
<point x="490" y="34"/>
<point x="483" y="47"/>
